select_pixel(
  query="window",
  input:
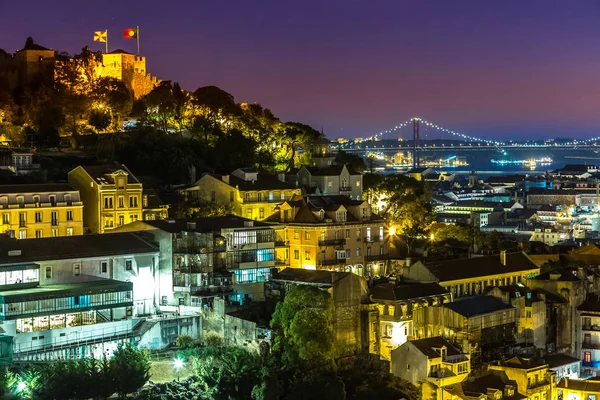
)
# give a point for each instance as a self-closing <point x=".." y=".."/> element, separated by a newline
<point x="22" y="234"/>
<point x="282" y="196"/>
<point x="271" y="198"/>
<point x="306" y="255"/>
<point x="6" y="218"/>
<point x="121" y="182"/>
<point x="121" y="220"/>
<point x="296" y="235"/>
<point x="213" y="196"/>
<point x="76" y="269"/>
<point x="462" y="368"/>
<point x="381" y="232"/>
<point x="133" y="217"/>
<point x="369" y="233"/>
<point x="182" y="301"/>
<point x="48" y="272"/>
<point x="69" y="231"/>
<point x="128" y="265"/>
<point x="38" y="216"/>
<point x="296" y="254"/>
<point x="259" y="196"/>
<point x="358" y="233"/>
<point x="22" y="219"/>
<point x="358" y="251"/>
<point x="54" y="232"/>
<point x="103" y="267"/>
<point x="121" y="202"/>
<point x="38" y="234"/>
<point x="261" y="213"/>
<point x="52" y="199"/>
<point x="347" y="233"/>
<point x="231" y="198"/>
<point x="108" y="202"/>
<point x="133" y="201"/>
<point x="54" y="217"/>
<point x="347" y="253"/>
<point x="69" y="215"/>
<point x="36" y="199"/>
<point x="306" y="235"/>
<point x="163" y="300"/>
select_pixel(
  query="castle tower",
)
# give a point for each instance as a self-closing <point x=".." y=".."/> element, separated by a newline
<point x="130" y="69"/>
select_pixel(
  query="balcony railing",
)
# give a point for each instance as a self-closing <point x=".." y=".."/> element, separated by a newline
<point x="345" y="189"/>
<point x="378" y="257"/>
<point x="372" y="239"/>
<point x="332" y="242"/>
<point x="337" y="261"/>
<point x="280" y="243"/>
<point x="592" y="346"/>
<point x="590" y="327"/>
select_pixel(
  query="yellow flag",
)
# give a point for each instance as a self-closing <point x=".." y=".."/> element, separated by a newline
<point x="101" y="36"/>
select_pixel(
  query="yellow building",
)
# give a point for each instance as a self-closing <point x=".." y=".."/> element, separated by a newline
<point x="471" y="276"/>
<point x="332" y="233"/>
<point x="532" y="376"/>
<point x="40" y="210"/>
<point x="571" y="389"/>
<point x="112" y="196"/>
<point x="250" y="194"/>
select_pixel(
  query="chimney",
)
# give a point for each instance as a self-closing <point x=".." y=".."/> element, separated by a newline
<point x="281" y="176"/>
<point x="225" y="178"/>
<point x="503" y="257"/>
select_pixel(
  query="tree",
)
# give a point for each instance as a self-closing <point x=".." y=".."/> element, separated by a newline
<point x="356" y="162"/>
<point x="303" y="324"/>
<point x="130" y="367"/>
<point x="100" y="119"/>
<point x="297" y="135"/>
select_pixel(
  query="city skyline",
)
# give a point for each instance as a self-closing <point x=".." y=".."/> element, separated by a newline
<point x="505" y="71"/>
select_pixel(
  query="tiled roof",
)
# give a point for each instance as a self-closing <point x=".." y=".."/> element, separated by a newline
<point x="37" y="188"/>
<point x="477" y="305"/>
<point x="101" y="172"/>
<point x="406" y="291"/>
<point x="69" y="247"/>
<point x="474" y="267"/>
<point x="208" y="224"/>
<point x="310" y="276"/>
<point x="580" y="385"/>
<point x="558" y="360"/>
<point x="427" y="346"/>
<point x="264" y="182"/>
<point x="331" y="170"/>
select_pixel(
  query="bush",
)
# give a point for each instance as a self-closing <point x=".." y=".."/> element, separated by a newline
<point x="185" y="341"/>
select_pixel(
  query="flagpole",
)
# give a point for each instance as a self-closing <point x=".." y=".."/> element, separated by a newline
<point x="138" y="39"/>
<point x="106" y="43"/>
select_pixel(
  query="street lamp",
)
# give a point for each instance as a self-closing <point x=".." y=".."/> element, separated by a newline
<point x="178" y="364"/>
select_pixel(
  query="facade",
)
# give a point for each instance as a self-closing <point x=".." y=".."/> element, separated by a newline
<point x="40" y="210"/>
<point x="471" y="276"/>
<point x="563" y="366"/>
<point x="112" y="196"/>
<point x="395" y="304"/>
<point x="482" y="326"/>
<point x="228" y="257"/>
<point x="152" y="206"/>
<point x="74" y="296"/>
<point x="572" y="389"/>
<point x="347" y="291"/>
<point x="433" y="360"/>
<point x="332" y="233"/>
<point x="250" y="194"/>
<point x="547" y="236"/>
<point x="588" y="335"/>
<point x="532" y="376"/>
<point x="332" y="180"/>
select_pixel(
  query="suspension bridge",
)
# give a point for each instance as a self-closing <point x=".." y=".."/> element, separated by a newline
<point x="466" y="141"/>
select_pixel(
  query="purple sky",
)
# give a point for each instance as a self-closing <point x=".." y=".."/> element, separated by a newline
<point x="506" y="69"/>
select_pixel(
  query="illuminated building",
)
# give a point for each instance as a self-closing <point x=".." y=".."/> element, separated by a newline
<point x="74" y="296"/>
<point x="112" y="196"/>
<point x="571" y="389"/>
<point x="331" y="232"/>
<point x="152" y="206"/>
<point x="470" y="276"/>
<point x="588" y="335"/>
<point x="250" y="194"/>
<point x="228" y="257"/>
<point x="128" y="68"/>
<point x="331" y="180"/>
<point x="395" y="304"/>
<point x="482" y="326"/>
<point x="40" y="210"/>
<point x="433" y="361"/>
<point x="532" y="376"/>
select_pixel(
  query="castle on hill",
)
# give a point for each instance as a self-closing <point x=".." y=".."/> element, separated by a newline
<point x="35" y="61"/>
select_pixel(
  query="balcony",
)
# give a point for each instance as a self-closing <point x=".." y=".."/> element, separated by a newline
<point x="332" y="242"/>
<point x="372" y="239"/>
<point x="378" y="257"/>
<point x="345" y="189"/>
<point x="338" y="261"/>
<point x="590" y="346"/>
<point x="281" y="243"/>
<point x="590" y="327"/>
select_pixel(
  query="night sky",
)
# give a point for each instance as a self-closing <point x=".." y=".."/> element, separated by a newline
<point x="505" y="69"/>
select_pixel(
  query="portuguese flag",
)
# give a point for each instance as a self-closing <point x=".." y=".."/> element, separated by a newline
<point x="130" y="33"/>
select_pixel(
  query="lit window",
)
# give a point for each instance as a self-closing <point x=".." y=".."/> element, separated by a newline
<point x="103" y="267"/>
<point x="296" y="254"/>
<point x="306" y="235"/>
<point x="307" y="255"/>
<point x="69" y="231"/>
<point x="48" y="272"/>
<point x="76" y="269"/>
<point x="128" y="265"/>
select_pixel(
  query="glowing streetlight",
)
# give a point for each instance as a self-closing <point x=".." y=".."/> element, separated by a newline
<point x="21" y="386"/>
<point x="392" y="231"/>
<point x="178" y="364"/>
<point x="431" y="237"/>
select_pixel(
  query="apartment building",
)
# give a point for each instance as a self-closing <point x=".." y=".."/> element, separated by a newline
<point x="333" y="233"/>
<point x="40" y="210"/>
<point x="74" y="296"/>
<point x="532" y="376"/>
<point x="250" y="194"/>
<point x="112" y="196"/>
<point x="331" y="180"/>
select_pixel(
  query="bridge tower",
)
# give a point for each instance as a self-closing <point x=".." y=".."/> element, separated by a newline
<point x="415" y="156"/>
